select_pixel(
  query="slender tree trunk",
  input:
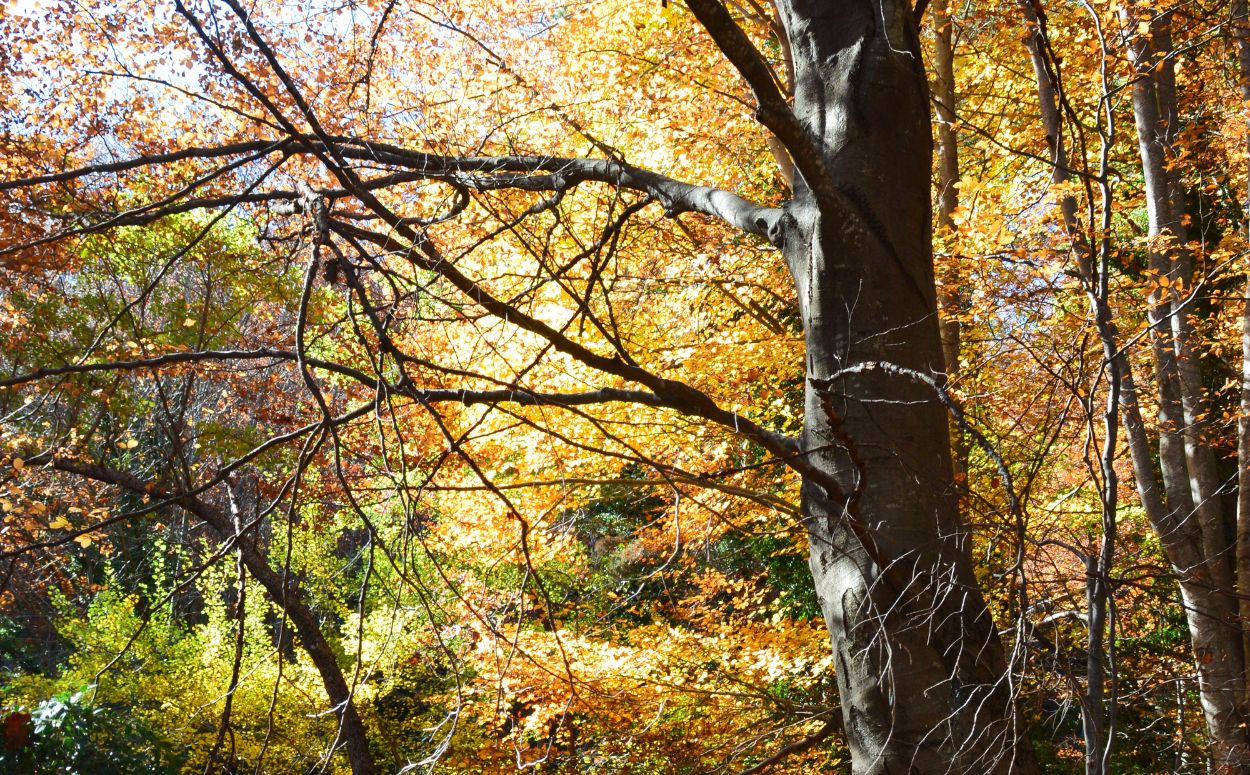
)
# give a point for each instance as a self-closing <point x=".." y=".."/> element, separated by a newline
<point x="1151" y="131"/>
<point x="949" y="296"/>
<point x="284" y="592"/>
<point x="1155" y="114"/>
<point x="1216" y="642"/>
<point x="1121" y="399"/>
<point x="1217" y="633"/>
<point x="1241" y="32"/>
<point x="1199" y="455"/>
<point x="922" y="677"/>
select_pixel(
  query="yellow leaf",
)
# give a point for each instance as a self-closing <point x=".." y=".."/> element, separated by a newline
<point x="60" y="523"/>
<point x="84" y="541"/>
<point x="189" y="323"/>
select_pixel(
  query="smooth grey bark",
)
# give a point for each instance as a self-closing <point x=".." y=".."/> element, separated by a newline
<point x="1155" y="115"/>
<point x="922" y="676"/>
<point x="1161" y="312"/>
<point x="1216" y="642"/>
<point x="1199" y="454"/>
<point x="1215" y="627"/>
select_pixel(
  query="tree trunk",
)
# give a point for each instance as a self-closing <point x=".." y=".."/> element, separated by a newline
<point x="922" y="676"/>
<point x="1121" y="399"/>
<point x="1154" y="112"/>
<point x="1161" y="312"/>
<point x="1216" y="641"/>
<point x="1214" y="626"/>
<point x="1199" y="455"/>
<point x="950" y="299"/>
<point x="1241" y="32"/>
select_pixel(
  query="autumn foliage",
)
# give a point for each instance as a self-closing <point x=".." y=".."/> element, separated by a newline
<point x="424" y="370"/>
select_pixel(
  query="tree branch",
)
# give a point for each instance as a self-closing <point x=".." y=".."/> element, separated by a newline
<point x="483" y="173"/>
<point x="834" y="724"/>
<point x="773" y="110"/>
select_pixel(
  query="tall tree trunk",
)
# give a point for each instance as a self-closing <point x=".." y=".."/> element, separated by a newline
<point x="1241" y="32"/>
<point x="1199" y="454"/>
<point x="1155" y="115"/>
<point x="922" y="676"/>
<point x="949" y="296"/>
<point x="1215" y="641"/>
<point x="1121" y="400"/>
<point x="1173" y="451"/>
<point x="1217" y="633"/>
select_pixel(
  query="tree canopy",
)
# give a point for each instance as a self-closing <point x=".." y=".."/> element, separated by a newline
<point x="624" y="387"/>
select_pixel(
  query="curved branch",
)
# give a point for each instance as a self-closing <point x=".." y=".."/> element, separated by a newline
<point x="773" y="110"/>
<point x="483" y="173"/>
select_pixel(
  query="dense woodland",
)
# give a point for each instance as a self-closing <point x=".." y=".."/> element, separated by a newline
<point x="631" y="386"/>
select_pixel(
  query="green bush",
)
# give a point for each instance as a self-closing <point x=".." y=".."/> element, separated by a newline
<point x="69" y="735"/>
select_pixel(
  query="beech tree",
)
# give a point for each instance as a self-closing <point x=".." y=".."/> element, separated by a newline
<point x="316" y="152"/>
<point x="1182" y="499"/>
